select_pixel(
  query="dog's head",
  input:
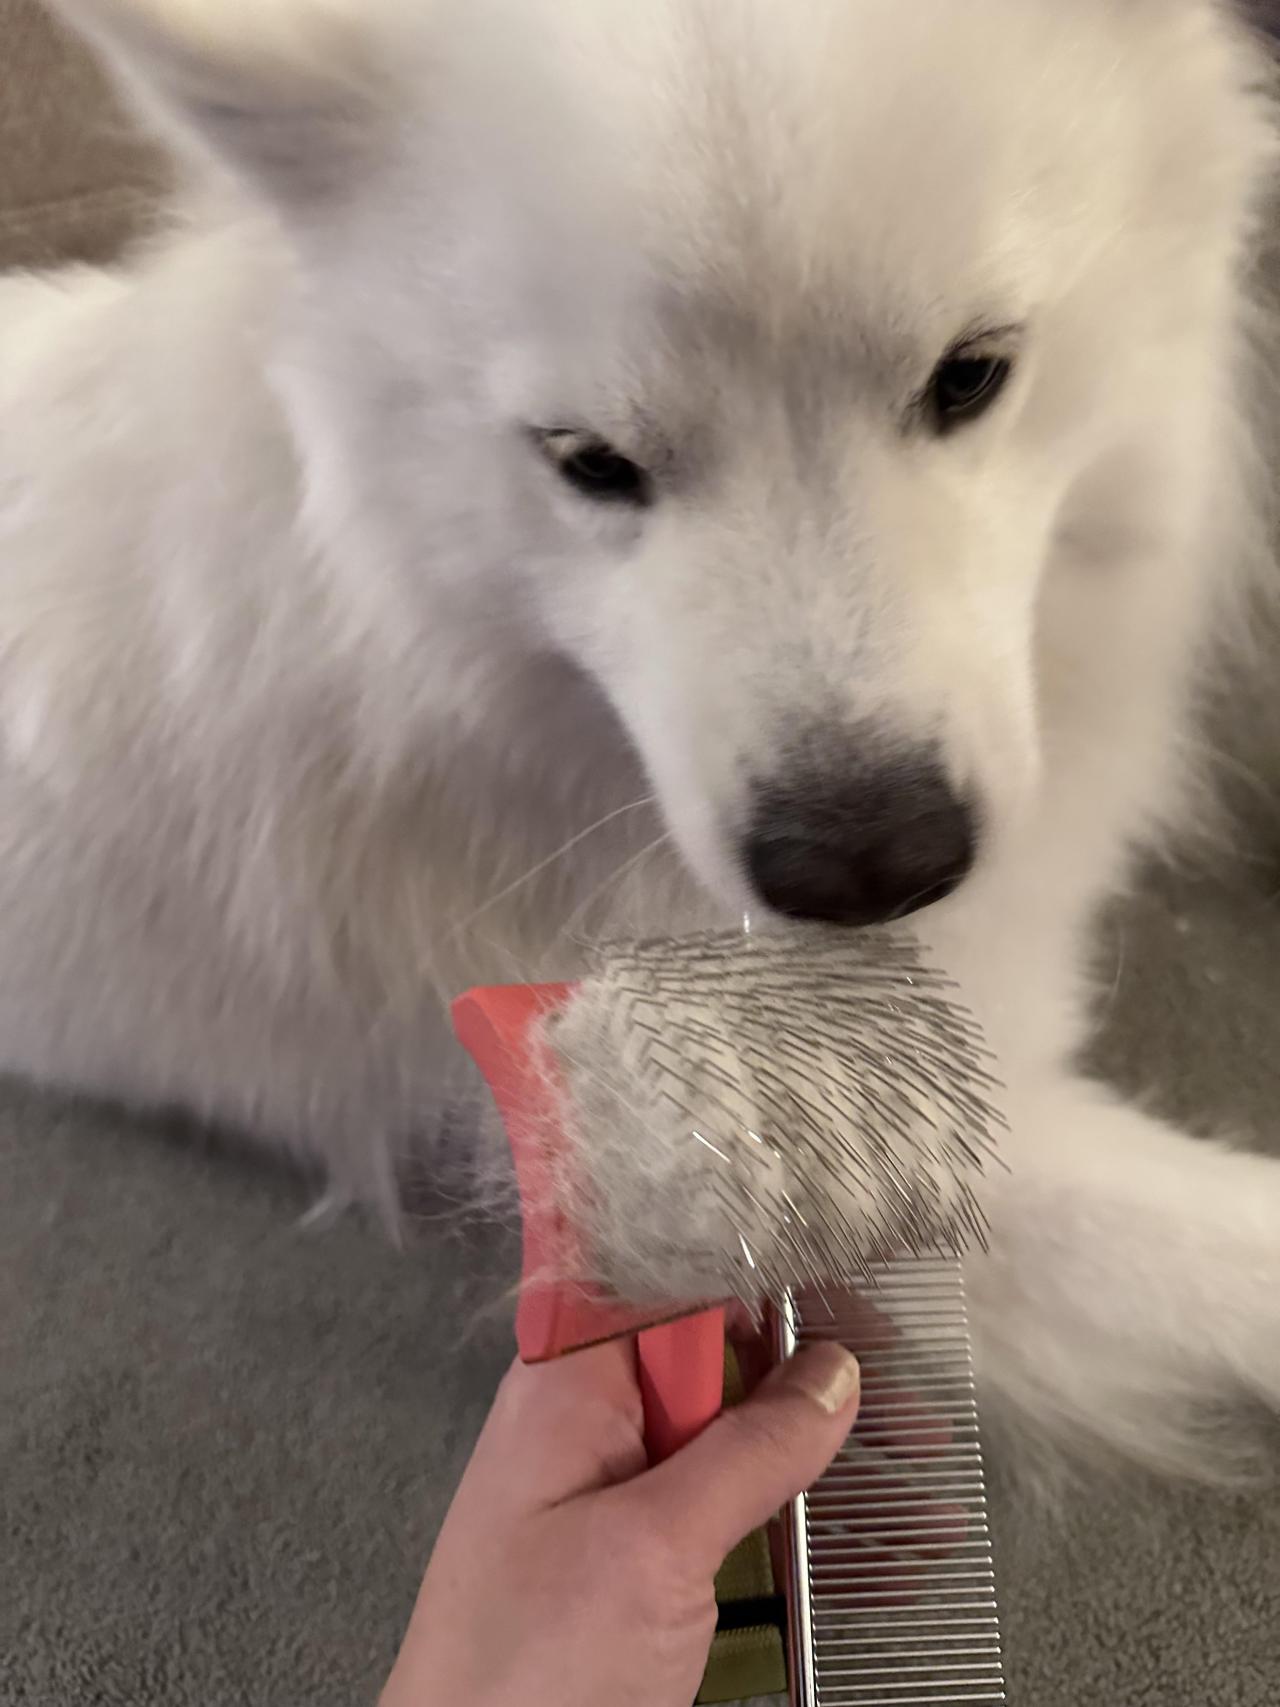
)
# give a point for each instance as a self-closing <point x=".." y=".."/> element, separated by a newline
<point x="761" y="358"/>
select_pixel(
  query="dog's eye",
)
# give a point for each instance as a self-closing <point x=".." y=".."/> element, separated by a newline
<point x="593" y="468"/>
<point x="965" y="386"/>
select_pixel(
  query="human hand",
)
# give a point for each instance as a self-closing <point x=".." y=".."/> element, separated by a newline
<point x="567" y="1573"/>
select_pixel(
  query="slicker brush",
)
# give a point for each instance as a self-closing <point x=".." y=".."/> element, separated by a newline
<point x="799" y="1121"/>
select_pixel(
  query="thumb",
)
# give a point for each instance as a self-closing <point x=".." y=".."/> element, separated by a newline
<point x="745" y="1467"/>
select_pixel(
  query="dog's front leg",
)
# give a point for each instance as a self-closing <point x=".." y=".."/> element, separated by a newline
<point x="1133" y="1283"/>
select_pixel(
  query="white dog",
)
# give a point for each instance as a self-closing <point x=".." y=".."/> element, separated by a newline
<point x="573" y="443"/>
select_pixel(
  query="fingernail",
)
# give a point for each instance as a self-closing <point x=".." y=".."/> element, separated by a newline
<point x="827" y="1374"/>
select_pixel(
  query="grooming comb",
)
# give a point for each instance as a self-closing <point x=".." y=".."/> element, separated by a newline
<point x="777" y="1119"/>
<point x="891" y="1586"/>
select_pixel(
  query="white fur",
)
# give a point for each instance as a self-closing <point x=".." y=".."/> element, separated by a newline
<point x="320" y="699"/>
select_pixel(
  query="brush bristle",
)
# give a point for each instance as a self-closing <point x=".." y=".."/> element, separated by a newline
<point x="750" y="1114"/>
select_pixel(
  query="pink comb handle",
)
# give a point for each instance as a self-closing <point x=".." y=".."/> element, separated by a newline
<point x="680" y="1360"/>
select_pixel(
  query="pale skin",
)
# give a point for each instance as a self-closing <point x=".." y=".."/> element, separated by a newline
<point x="569" y="1573"/>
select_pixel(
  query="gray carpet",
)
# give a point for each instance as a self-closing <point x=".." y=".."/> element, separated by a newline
<point x="226" y="1443"/>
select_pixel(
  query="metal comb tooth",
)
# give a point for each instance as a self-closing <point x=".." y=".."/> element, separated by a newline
<point x="892" y="1589"/>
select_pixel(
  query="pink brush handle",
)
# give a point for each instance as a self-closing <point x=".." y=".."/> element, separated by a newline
<point x="681" y="1361"/>
<point x="681" y="1380"/>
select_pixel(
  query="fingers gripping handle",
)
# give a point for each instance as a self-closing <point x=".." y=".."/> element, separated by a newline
<point x="681" y="1360"/>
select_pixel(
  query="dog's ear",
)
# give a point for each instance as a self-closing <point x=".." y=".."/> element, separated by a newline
<point x="285" y="92"/>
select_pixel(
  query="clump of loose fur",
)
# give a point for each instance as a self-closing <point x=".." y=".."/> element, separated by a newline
<point x="744" y="1114"/>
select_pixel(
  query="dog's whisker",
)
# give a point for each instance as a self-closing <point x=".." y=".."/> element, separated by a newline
<point x="614" y="881"/>
<point x="566" y="847"/>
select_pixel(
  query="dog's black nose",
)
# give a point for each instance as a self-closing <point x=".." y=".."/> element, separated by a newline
<point x="875" y="845"/>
